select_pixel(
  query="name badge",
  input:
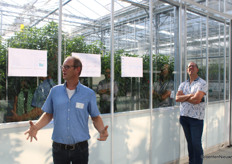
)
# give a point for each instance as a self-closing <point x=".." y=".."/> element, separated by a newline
<point x="79" y="105"/>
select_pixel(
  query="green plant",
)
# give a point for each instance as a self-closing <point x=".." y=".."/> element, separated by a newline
<point x="46" y="38"/>
<point x="3" y="106"/>
<point x="2" y="68"/>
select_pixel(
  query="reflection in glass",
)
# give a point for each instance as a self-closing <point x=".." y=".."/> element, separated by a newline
<point x="163" y="91"/>
<point x="103" y="89"/>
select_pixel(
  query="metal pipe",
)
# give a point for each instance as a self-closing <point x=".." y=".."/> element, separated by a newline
<point x="50" y="13"/>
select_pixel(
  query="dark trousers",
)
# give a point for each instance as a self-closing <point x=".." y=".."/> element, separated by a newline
<point x="193" y="129"/>
<point x="63" y="154"/>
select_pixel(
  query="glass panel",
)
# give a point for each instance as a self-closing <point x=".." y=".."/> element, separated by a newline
<point x="25" y="95"/>
<point x="163" y="91"/>
<point x="216" y="61"/>
<point x="216" y="4"/>
<point x="18" y="92"/>
<point x="196" y="42"/>
<point x="228" y="4"/>
<point x="131" y="40"/>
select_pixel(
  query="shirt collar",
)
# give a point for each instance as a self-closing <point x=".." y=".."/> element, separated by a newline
<point x="195" y="79"/>
<point x="77" y="87"/>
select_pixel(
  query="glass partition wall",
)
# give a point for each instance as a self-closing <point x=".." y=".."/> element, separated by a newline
<point x="180" y="33"/>
<point x="131" y="38"/>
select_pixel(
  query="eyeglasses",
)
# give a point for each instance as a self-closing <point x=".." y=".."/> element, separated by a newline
<point x="67" y="66"/>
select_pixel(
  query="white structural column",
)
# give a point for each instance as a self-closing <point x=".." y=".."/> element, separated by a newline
<point x="112" y="77"/>
<point x="230" y="70"/>
<point x="59" y="42"/>
<point x="151" y="73"/>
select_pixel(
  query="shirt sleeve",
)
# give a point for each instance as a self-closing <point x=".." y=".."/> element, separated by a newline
<point x="92" y="107"/>
<point x="204" y="87"/>
<point x="170" y="86"/>
<point x="47" y="106"/>
<point x="181" y="87"/>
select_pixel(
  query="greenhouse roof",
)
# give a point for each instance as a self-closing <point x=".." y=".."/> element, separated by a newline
<point x="78" y="16"/>
<point x="14" y="14"/>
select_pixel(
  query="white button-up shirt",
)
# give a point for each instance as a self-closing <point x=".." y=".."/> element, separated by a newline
<point x="193" y="110"/>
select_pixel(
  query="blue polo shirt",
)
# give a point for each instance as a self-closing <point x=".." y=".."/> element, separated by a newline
<point x="71" y="115"/>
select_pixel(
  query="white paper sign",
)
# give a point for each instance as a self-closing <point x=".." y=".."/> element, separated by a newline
<point x="91" y="64"/>
<point x="131" y="66"/>
<point x="28" y="63"/>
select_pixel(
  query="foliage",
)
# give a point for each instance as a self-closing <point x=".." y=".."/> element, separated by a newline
<point x="2" y="68"/>
<point x="3" y="106"/>
<point x="78" y="44"/>
<point x="46" y="38"/>
<point x="216" y="72"/>
<point x="159" y="61"/>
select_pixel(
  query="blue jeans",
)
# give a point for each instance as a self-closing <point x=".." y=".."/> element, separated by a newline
<point x="66" y="155"/>
<point x="193" y="129"/>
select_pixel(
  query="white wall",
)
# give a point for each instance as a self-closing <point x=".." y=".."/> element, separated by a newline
<point x="130" y="138"/>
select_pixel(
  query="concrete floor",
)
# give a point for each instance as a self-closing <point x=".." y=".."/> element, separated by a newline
<point x="222" y="156"/>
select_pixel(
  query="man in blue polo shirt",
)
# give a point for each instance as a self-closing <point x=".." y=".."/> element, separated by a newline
<point x="70" y="105"/>
<point x="192" y="112"/>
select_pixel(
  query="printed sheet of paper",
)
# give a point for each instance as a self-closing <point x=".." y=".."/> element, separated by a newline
<point x="27" y="63"/>
<point x="91" y="64"/>
<point x="131" y="66"/>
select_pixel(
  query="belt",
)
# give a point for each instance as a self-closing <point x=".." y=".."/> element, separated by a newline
<point x="69" y="146"/>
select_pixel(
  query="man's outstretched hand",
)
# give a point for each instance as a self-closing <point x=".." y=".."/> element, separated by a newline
<point x="32" y="131"/>
<point x="103" y="134"/>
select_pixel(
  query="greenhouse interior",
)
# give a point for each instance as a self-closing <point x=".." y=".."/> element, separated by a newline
<point x="135" y="41"/>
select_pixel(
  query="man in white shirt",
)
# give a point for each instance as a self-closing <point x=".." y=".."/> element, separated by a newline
<point x="192" y="112"/>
